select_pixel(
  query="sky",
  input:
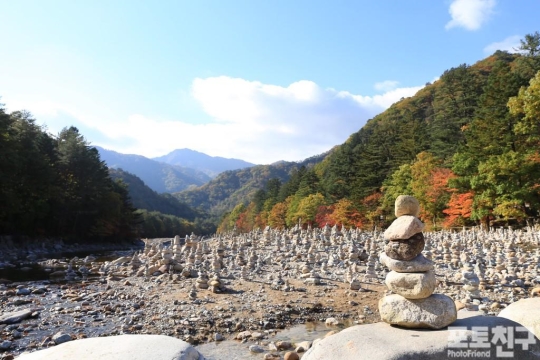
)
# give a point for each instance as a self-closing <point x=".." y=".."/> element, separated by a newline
<point x="257" y="80"/>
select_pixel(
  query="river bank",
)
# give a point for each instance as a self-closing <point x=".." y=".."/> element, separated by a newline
<point x="162" y="305"/>
<point x="26" y="250"/>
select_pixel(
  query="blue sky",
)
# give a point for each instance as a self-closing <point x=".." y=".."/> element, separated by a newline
<point x="257" y="80"/>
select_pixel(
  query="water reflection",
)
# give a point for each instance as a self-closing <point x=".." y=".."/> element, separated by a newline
<point x="25" y="271"/>
<point x="232" y="349"/>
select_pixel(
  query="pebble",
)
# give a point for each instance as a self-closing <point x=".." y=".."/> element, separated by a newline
<point x="291" y="355"/>
<point x="61" y="337"/>
<point x="283" y="345"/>
<point x="256" y="349"/>
<point x="5" y="345"/>
<point x="332" y="322"/>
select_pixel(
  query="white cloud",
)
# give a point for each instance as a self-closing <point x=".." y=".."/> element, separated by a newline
<point x="509" y="44"/>
<point x="386" y="85"/>
<point x="257" y="122"/>
<point x="470" y="14"/>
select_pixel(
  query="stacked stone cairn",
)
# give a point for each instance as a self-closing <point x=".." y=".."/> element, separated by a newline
<point x="412" y="277"/>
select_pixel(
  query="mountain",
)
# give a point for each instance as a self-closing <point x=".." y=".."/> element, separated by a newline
<point x="210" y="165"/>
<point x="466" y="147"/>
<point x="142" y="197"/>
<point x="229" y="188"/>
<point x="158" y="176"/>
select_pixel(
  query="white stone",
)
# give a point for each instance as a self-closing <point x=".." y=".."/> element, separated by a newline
<point x="407" y="205"/>
<point x="434" y="312"/>
<point x="123" y="347"/>
<point x="412" y="285"/>
<point x="403" y="228"/>
<point x="526" y="312"/>
<point x="418" y="264"/>
<point x="384" y="342"/>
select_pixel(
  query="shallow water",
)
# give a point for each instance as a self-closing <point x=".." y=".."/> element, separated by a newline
<point x="35" y="272"/>
<point x="236" y="350"/>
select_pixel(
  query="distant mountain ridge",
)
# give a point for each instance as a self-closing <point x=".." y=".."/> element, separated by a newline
<point x="159" y="176"/>
<point x="210" y="165"/>
<point x="142" y="197"/>
<point x="229" y="188"/>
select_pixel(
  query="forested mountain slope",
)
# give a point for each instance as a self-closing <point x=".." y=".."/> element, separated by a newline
<point x="466" y="146"/>
<point x="231" y="187"/>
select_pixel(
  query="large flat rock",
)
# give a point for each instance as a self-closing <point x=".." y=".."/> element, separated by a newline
<point x="122" y="347"/>
<point x="526" y="312"/>
<point x="434" y="312"/>
<point x="382" y="341"/>
<point x="15" y="317"/>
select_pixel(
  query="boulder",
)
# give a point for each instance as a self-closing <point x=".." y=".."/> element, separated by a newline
<point x="403" y="228"/>
<point x="412" y="285"/>
<point x="417" y="264"/>
<point x="382" y="341"/>
<point x="526" y="312"/>
<point x="123" y="347"/>
<point x="405" y="250"/>
<point x="406" y="205"/>
<point x="434" y="312"/>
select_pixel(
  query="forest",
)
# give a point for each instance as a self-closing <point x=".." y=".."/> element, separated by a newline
<point x="466" y="146"/>
<point x="58" y="187"/>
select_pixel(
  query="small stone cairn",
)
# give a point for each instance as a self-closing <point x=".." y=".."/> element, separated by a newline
<point x="412" y="278"/>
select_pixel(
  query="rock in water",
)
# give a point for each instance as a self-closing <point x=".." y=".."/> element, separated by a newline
<point x="405" y="250"/>
<point x="412" y="285"/>
<point x="434" y="312"/>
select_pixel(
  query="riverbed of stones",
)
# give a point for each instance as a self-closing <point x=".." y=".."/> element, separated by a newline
<point x="248" y="287"/>
<point x="41" y="314"/>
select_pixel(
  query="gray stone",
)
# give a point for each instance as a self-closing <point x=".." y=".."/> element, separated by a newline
<point x="61" y="337"/>
<point x="15" y="317"/>
<point x="526" y="312"/>
<point x="412" y="285"/>
<point x="23" y="291"/>
<point x="417" y="264"/>
<point x="384" y="342"/>
<point x="5" y="345"/>
<point x="403" y="228"/>
<point x="406" y="205"/>
<point x="405" y="249"/>
<point x="123" y="347"/>
<point x="434" y="312"/>
<point x="256" y="349"/>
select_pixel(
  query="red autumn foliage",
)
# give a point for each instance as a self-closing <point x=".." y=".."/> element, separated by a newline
<point x="459" y="209"/>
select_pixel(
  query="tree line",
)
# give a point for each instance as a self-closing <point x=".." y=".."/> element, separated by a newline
<point x="467" y="146"/>
<point x="57" y="186"/>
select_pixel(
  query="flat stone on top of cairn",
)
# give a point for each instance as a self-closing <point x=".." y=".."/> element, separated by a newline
<point x="412" y="279"/>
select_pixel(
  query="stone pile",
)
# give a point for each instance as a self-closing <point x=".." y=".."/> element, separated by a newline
<point x="412" y="277"/>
